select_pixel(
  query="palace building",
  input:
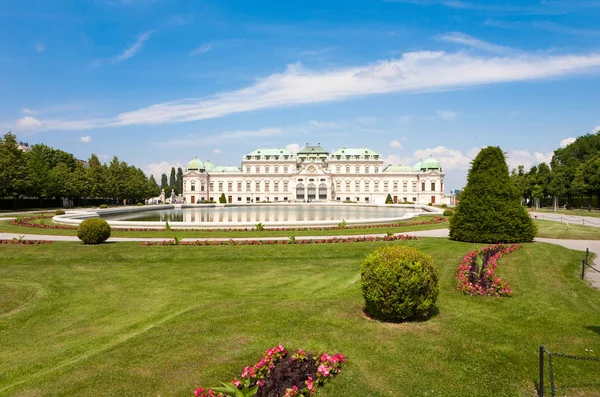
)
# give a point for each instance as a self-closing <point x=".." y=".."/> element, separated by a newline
<point x="313" y="174"/>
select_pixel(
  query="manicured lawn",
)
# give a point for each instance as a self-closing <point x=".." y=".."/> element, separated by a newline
<point x="551" y="229"/>
<point x="595" y="213"/>
<point x="8" y="227"/>
<point x="124" y="320"/>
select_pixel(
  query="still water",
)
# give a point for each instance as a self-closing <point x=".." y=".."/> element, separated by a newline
<point x="265" y="213"/>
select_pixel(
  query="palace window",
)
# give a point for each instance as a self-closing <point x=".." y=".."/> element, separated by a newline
<point x="376" y="170"/>
<point x="193" y="187"/>
<point x="338" y="169"/>
<point x="239" y="186"/>
<point x="285" y="186"/>
<point x="276" y="186"/>
<point x="220" y="186"/>
<point x="348" y="188"/>
<point x="338" y="186"/>
<point x="212" y="187"/>
<point x="367" y="169"/>
<point x="229" y="186"/>
<point x="367" y="186"/>
<point x="433" y="186"/>
<point x="347" y="169"/>
<point x="376" y="183"/>
<point x="385" y="186"/>
<point x="414" y="186"/>
<point x="357" y="186"/>
<point x="422" y="186"/>
<point x="285" y="169"/>
<point x="405" y="187"/>
<point x="276" y="169"/>
<point x="202" y="187"/>
<point x="266" y="169"/>
<point x="257" y="187"/>
<point x="257" y="169"/>
<point x="248" y="186"/>
<point x="357" y="169"/>
<point x="395" y="186"/>
<point x="247" y="169"/>
<point x="266" y="186"/>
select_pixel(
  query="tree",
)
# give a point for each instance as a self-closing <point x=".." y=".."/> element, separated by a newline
<point x="153" y="188"/>
<point x="173" y="178"/>
<point x="179" y="180"/>
<point x="13" y="168"/>
<point x="97" y="175"/>
<point x="163" y="182"/>
<point x="489" y="210"/>
<point x="388" y="199"/>
<point x="37" y="172"/>
<point x="222" y="199"/>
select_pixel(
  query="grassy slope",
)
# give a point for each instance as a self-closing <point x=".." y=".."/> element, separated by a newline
<point x="120" y="319"/>
<point x="550" y="229"/>
<point x="8" y="227"/>
<point x="595" y="213"/>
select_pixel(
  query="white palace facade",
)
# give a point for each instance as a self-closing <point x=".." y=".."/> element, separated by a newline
<point x="311" y="175"/>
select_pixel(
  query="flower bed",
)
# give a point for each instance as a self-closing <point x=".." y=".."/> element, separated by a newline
<point x="335" y="240"/>
<point x="19" y="241"/>
<point x="278" y="374"/>
<point x="477" y="272"/>
<point x="34" y="222"/>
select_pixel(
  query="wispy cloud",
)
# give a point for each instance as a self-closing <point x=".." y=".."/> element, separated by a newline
<point x="413" y="72"/>
<point x="135" y="48"/>
<point x="223" y="137"/>
<point x="567" y="141"/>
<point x="558" y="28"/>
<point x="396" y="145"/>
<point x="317" y="52"/>
<point x="464" y="39"/>
<point x="446" y="114"/>
<point x="85" y="139"/>
<point x="203" y="49"/>
<point x="39" y="47"/>
<point x="28" y="111"/>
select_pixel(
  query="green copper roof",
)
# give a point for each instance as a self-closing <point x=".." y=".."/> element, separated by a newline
<point x="270" y="152"/>
<point x="431" y="163"/>
<point x="398" y="168"/>
<point x="313" y="150"/>
<point x="209" y="166"/>
<point x="195" y="164"/>
<point x="354" y="152"/>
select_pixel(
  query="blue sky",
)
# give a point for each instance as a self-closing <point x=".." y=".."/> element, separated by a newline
<point x="157" y="82"/>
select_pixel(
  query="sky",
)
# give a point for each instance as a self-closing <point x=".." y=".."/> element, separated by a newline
<point x="157" y="82"/>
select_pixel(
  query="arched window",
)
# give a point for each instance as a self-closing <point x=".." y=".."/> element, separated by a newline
<point x="322" y="191"/>
<point x="312" y="192"/>
<point x="300" y="191"/>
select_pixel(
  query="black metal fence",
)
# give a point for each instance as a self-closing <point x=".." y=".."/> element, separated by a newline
<point x="545" y="353"/>
<point x="585" y="263"/>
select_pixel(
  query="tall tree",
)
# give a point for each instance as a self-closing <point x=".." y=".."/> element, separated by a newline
<point x="179" y="181"/>
<point x="164" y="183"/>
<point x="153" y="188"/>
<point x="13" y="169"/>
<point x="96" y="178"/>
<point x="173" y="178"/>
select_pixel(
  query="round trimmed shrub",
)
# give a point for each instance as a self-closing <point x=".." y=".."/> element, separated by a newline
<point x="103" y="206"/>
<point x="448" y="212"/>
<point x="399" y="283"/>
<point x="93" y="231"/>
<point x="59" y="212"/>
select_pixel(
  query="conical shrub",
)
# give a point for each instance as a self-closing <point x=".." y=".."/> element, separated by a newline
<point x="489" y="210"/>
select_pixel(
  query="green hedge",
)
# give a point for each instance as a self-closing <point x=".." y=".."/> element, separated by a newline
<point x="93" y="231"/>
<point x="399" y="283"/>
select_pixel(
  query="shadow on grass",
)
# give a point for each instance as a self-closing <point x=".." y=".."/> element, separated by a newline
<point x="434" y="312"/>
<point x="594" y="328"/>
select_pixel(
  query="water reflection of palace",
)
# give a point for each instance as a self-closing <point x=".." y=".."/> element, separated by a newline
<point x="313" y="174"/>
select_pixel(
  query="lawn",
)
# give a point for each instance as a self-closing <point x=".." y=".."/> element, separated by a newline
<point x="551" y="229"/>
<point x="7" y="227"/>
<point x="124" y="320"/>
<point x="594" y="213"/>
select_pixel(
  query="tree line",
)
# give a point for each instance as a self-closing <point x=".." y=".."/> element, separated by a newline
<point x="45" y="172"/>
<point x="574" y="171"/>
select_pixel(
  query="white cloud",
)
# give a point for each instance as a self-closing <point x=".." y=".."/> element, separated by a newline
<point x="514" y="158"/>
<point x="203" y="49"/>
<point x="413" y="72"/>
<point x="567" y="141"/>
<point x="28" y="123"/>
<point x="135" y="48"/>
<point x="461" y="38"/>
<point x="325" y="125"/>
<point x="157" y="169"/>
<point x="28" y="111"/>
<point x="86" y="139"/>
<point x="393" y="159"/>
<point x="446" y="114"/>
<point x="39" y="47"/>
<point x="293" y="147"/>
<point x="217" y="151"/>
<point x="449" y="159"/>
<point x="597" y="129"/>
<point x="403" y="120"/>
<point x="396" y="145"/>
<point x="223" y="137"/>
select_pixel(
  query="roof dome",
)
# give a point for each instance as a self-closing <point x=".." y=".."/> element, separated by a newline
<point x="209" y="166"/>
<point x="430" y="164"/>
<point x="195" y="165"/>
<point x="417" y="166"/>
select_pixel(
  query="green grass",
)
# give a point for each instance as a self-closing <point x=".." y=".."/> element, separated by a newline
<point x="594" y="213"/>
<point x="551" y="229"/>
<point x="8" y="227"/>
<point x="124" y="320"/>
